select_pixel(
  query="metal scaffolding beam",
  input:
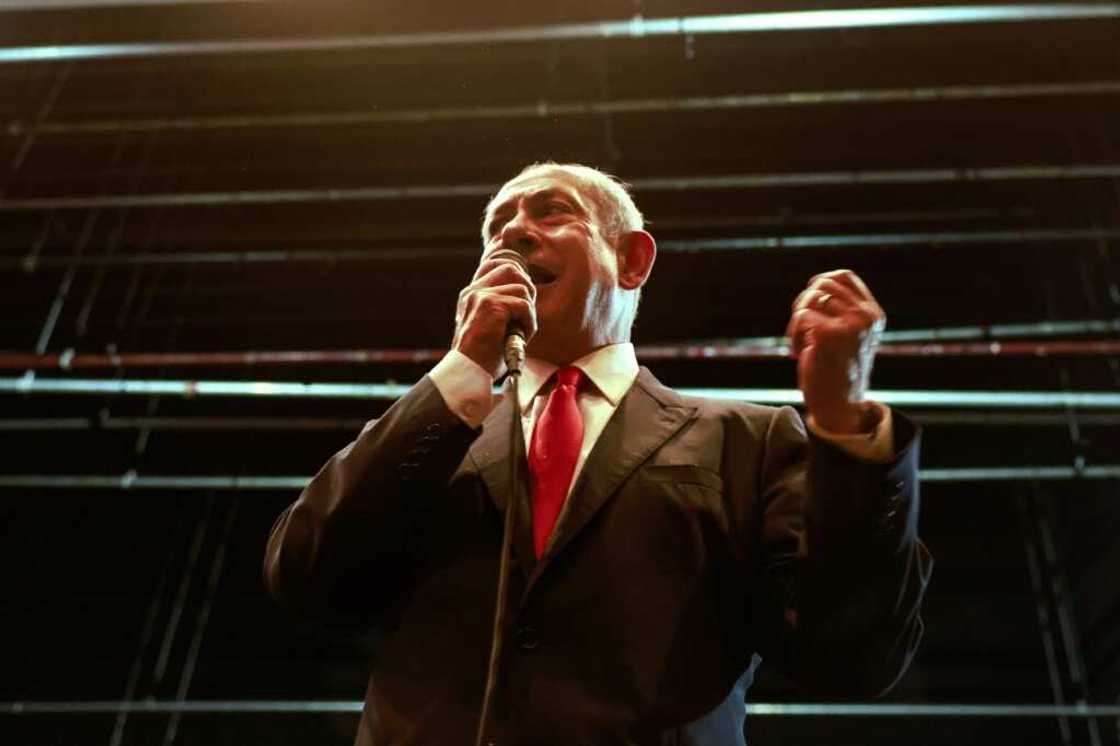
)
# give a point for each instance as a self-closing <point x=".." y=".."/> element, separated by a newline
<point x="7" y="6"/>
<point x="545" y="109"/>
<point x="634" y="28"/>
<point x="747" y="243"/>
<point x="480" y="190"/>
<point x="29" y="384"/>
<point x="132" y="480"/>
<point x="764" y="709"/>
<point x="280" y="423"/>
<point x="778" y="350"/>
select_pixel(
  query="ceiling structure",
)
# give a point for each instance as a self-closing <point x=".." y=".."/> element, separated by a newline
<point x="233" y="231"/>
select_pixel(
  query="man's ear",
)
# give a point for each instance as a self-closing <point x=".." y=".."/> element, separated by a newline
<point x="636" y="253"/>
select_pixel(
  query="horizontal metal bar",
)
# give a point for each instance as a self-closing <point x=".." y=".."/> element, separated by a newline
<point x="924" y="350"/>
<point x="188" y="424"/>
<point x="544" y="109"/>
<point x="934" y="710"/>
<point x="30" y="384"/>
<point x="970" y="399"/>
<point x="242" y="423"/>
<point x="1021" y="473"/>
<point x="688" y="351"/>
<point x="1038" y="329"/>
<point x="1017" y="419"/>
<point x="727" y="181"/>
<point x="23" y="5"/>
<point x="938" y="238"/>
<point x="999" y="331"/>
<point x="54" y="424"/>
<point x="763" y="709"/>
<point x="51" y="424"/>
<point x="133" y="480"/>
<point x="754" y="243"/>
<point x="635" y="27"/>
<point x="133" y="387"/>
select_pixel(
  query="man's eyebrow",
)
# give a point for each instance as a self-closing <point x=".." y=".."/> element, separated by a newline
<point x="538" y="195"/>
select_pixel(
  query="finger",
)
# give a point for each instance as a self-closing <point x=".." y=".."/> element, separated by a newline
<point x="800" y="323"/>
<point x="851" y="280"/>
<point x="488" y="265"/>
<point x="491" y="272"/>
<point x="523" y="313"/>
<point x="836" y="296"/>
<point x="825" y="294"/>
<point x="512" y="290"/>
<point x="475" y="296"/>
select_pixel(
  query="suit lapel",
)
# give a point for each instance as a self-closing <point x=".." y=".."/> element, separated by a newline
<point x="490" y="453"/>
<point x="648" y="415"/>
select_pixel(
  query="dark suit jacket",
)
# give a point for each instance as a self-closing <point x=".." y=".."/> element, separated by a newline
<point x="700" y="535"/>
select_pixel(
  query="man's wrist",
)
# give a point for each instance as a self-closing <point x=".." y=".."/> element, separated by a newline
<point x="874" y="444"/>
<point x="852" y="419"/>
<point x="465" y="386"/>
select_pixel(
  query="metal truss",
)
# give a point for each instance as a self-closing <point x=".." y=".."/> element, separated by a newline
<point x="545" y="109"/>
<point x="764" y="709"/>
<point x="688" y="351"/>
<point x="105" y="421"/>
<point x="685" y="183"/>
<point x="29" y="384"/>
<point x="634" y="28"/>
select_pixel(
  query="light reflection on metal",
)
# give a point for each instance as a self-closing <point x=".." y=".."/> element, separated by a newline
<point x="764" y="709"/>
<point x="547" y="109"/>
<point x="133" y="481"/>
<point x="10" y="5"/>
<point x="635" y="27"/>
<point x="939" y="238"/>
<point x="682" y="183"/>
<point x="997" y="331"/>
<point x="30" y="384"/>
<point x="1041" y="329"/>
<point x="1021" y="473"/>
<point x="777" y="349"/>
<point x="752" y="243"/>
<point x="280" y="423"/>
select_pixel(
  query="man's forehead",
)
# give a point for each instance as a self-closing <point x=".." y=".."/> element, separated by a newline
<point x="537" y="183"/>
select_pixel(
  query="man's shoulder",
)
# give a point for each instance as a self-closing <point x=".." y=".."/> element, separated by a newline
<point x="710" y="407"/>
<point x="731" y="409"/>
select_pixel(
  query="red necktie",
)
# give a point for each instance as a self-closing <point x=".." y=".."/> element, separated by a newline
<point x="557" y="438"/>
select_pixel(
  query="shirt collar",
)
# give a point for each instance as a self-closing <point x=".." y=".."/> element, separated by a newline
<point x="612" y="369"/>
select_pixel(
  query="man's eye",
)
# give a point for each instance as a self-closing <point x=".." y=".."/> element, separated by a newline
<point x="552" y="207"/>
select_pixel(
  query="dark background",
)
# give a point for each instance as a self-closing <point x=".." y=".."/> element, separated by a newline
<point x="970" y="173"/>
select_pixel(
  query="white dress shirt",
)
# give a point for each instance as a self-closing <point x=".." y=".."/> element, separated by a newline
<point x="467" y="390"/>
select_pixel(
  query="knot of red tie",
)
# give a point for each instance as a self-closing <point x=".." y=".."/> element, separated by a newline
<point x="557" y="440"/>
<point x="569" y="375"/>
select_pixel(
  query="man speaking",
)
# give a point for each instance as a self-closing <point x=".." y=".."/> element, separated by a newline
<point x="665" y="544"/>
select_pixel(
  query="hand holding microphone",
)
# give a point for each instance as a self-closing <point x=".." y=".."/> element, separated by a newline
<point x="499" y="303"/>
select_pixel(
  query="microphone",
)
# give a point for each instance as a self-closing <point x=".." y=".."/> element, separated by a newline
<point x="514" y="347"/>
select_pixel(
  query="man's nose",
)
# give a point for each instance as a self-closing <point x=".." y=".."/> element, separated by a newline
<point x="519" y="234"/>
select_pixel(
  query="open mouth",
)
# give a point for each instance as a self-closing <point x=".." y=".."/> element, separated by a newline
<point x="540" y="275"/>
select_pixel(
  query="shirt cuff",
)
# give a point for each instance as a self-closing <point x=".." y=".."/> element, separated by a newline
<point x="465" y="387"/>
<point x="876" y="445"/>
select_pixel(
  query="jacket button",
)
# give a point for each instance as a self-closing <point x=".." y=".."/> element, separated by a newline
<point x="527" y="638"/>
